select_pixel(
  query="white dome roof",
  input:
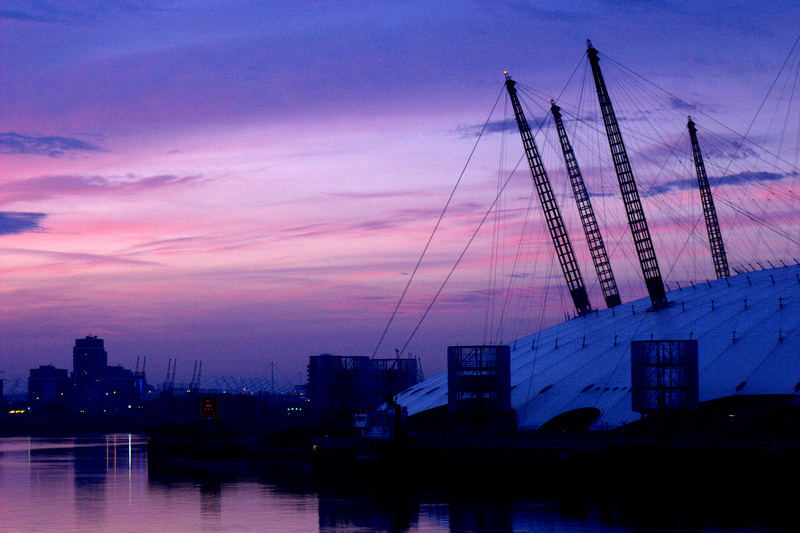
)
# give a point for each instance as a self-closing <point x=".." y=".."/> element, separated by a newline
<point x="748" y="343"/>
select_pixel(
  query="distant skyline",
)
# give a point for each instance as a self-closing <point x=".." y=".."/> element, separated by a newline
<point x="252" y="182"/>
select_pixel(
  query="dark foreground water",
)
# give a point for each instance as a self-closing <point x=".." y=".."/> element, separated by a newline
<point x="103" y="484"/>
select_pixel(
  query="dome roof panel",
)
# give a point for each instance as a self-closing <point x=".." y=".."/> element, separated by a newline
<point x="736" y="321"/>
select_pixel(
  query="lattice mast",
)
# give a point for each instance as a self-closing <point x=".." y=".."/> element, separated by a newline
<point x="593" y="236"/>
<point x="709" y="211"/>
<point x="555" y="224"/>
<point x="627" y="186"/>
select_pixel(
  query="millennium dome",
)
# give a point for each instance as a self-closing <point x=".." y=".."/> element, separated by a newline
<point x="744" y="327"/>
<point x="747" y="328"/>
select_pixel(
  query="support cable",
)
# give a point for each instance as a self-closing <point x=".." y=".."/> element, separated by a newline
<point x="555" y="222"/>
<point x="709" y="211"/>
<point x="743" y="137"/>
<point x="436" y="227"/>
<point x="591" y="229"/>
<point x="460" y="257"/>
<point x="630" y="195"/>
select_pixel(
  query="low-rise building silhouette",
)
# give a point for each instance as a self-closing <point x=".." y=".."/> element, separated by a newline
<point x="48" y="384"/>
<point x="122" y="388"/>
<point x="348" y="384"/>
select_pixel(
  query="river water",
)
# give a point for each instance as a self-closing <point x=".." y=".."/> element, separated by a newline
<point x="102" y="483"/>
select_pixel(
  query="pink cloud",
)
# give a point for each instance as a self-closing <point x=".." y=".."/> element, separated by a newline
<point x="44" y="187"/>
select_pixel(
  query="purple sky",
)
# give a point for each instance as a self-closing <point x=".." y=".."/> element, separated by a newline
<point x="246" y="182"/>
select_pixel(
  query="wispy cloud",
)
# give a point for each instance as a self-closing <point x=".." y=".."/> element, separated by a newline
<point x="702" y="108"/>
<point x="55" y="12"/>
<point x="44" y="187"/>
<point x="534" y="12"/>
<point x="200" y="244"/>
<point x="27" y="12"/>
<point x="377" y="195"/>
<point x="49" y="145"/>
<point x="12" y="223"/>
<point x="64" y="258"/>
<point x="745" y="177"/>
<point x="325" y="229"/>
<point x="730" y="179"/>
<point x="680" y="105"/>
<point x="495" y="126"/>
<point x="390" y="220"/>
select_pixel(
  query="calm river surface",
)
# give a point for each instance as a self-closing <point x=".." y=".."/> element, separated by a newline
<point x="102" y="484"/>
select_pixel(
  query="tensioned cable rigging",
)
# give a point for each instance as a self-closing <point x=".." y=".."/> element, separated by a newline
<point x="460" y="257"/>
<point x="693" y="221"/>
<point x="690" y="221"/>
<point x="463" y="252"/>
<point x="498" y="237"/>
<point x="509" y="289"/>
<point x="486" y="215"/>
<point x="436" y="226"/>
<point x="743" y="137"/>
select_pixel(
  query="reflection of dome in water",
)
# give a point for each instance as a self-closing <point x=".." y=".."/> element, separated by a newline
<point x="748" y="333"/>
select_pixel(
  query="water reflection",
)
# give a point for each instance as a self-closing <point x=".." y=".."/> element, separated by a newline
<point x="90" y="466"/>
<point x="103" y="483"/>
<point x="383" y="511"/>
<point x="472" y="515"/>
<point x="211" y="502"/>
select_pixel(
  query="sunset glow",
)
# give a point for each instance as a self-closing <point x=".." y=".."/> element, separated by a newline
<point x="249" y="182"/>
